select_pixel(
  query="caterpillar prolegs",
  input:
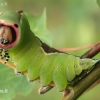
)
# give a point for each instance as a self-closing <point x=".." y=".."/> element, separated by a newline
<point x="29" y="54"/>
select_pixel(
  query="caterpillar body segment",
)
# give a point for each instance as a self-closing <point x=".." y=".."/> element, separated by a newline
<point x="59" y="72"/>
<point x="47" y="69"/>
<point x="30" y="55"/>
<point x="77" y="66"/>
<point x="34" y="67"/>
<point x="70" y="68"/>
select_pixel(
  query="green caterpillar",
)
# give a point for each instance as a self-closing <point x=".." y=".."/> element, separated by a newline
<point x="29" y="54"/>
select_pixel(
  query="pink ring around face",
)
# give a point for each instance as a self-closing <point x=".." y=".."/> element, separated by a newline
<point x="17" y="35"/>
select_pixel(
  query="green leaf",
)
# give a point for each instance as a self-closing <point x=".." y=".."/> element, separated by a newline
<point x="38" y="26"/>
<point x="98" y="1"/>
<point x="11" y="84"/>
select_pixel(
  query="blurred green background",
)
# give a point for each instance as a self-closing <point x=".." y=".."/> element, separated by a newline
<point x="71" y="23"/>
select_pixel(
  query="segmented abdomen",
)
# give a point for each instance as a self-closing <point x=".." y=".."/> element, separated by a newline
<point x="60" y="68"/>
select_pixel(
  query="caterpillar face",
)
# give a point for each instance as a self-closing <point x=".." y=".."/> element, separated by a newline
<point x="9" y="32"/>
<point x="14" y="29"/>
<point x="9" y="29"/>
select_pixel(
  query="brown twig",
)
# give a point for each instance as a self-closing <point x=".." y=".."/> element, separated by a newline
<point x="88" y="82"/>
<point x="85" y="83"/>
<point x="92" y="52"/>
<point x="77" y="48"/>
<point x="10" y="65"/>
<point x="89" y="54"/>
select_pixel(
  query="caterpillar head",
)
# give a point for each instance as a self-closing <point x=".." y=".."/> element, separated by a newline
<point x="12" y="28"/>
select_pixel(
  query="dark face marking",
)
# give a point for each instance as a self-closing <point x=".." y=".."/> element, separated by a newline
<point x="5" y="35"/>
<point x="4" y="55"/>
<point x="5" y="42"/>
<point x="16" y="25"/>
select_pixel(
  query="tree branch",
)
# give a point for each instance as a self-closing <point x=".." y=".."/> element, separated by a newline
<point x="79" y="88"/>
